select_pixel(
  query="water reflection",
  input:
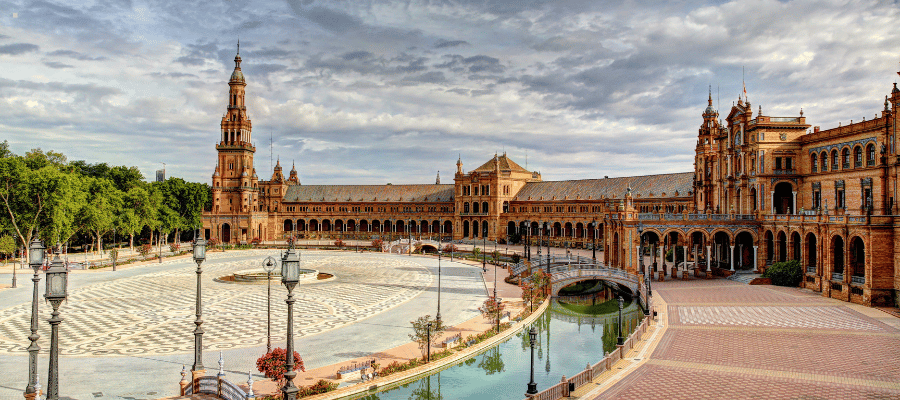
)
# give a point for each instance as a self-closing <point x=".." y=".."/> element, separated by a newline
<point x="502" y="372"/>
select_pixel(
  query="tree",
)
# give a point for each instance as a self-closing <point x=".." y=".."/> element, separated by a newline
<point x="103" y="204"/>
<point x="4" y="150"/>
<point x="492" y="310"/>
<point x="37" y="159"/>
<point x="7" y="245"/>
<point x="273" y="366"/>
<point x="186" y="200"/>
<point x="492" y="361"/>
<point x="420" y="332"/>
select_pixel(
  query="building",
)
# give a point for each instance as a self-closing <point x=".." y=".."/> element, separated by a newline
<point x="764" y="189"/>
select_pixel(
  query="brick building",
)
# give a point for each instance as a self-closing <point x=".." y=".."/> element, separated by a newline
<point x="764" y="189"/>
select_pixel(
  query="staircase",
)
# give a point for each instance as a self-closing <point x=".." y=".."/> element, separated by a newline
<point x="743" y="278"/>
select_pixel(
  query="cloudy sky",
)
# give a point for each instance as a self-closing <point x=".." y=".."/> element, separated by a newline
<point x="371" y="91"/>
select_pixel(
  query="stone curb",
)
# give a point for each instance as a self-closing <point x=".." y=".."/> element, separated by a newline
<point x="418" y="372"/>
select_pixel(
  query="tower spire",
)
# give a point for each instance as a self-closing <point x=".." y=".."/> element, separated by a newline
<point x="239" y="46"/>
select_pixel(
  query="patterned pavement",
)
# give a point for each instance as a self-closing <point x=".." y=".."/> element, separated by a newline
<point x="725" y="340"/>
<point x="148" y="314"/>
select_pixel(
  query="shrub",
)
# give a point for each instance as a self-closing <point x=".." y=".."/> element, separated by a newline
<point x="255" y="241"/>
<point x="145" y="249"/>
<point x="322" y="386"/>
<point x="378" y="243"/>
<point x="273" y="366"/>
<point x="339" y="243"/>
<point x="420" y="332"/>
<point x="212" y="243"/>
<point x="174" y="247"/>
<point x="515" y="258"/>
<point x="450" y="248"/>
<point x="787" y="273"/>
<point x="113" y="254"/>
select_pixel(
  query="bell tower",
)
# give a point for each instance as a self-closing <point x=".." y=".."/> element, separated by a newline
<point x="235" y="184"/>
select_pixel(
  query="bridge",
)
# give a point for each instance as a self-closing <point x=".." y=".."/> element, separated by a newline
<point x="565" y="271"/>
<point x="403" y="245"/>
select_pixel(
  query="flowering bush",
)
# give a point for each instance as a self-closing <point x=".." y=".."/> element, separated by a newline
<point x="378" y="243"/>
<point x="255" y="241"/>
<point x="272" y="364"/>
<point x="450" y="248"/>
<point x="145" y="249"/>
<point x="212" y="243"/>
<point x="321" y="386"/>
<point x="174" y="247"/>
<point x="339" y="243"/>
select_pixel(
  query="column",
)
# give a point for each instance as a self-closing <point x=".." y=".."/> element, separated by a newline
<point x="772" y="196"/>
<point x="696" y="261"/>
<point x="684" y="250"/>
<point x="756" y="254"/>
<point x="731" y="257"/>
<point x="708" y="262"/>
<point x="794" y="202"/>
<point x="638" y="260"/>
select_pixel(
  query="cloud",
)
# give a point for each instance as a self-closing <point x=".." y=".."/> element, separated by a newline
<point x="57" y="65"/>
<point x="18" y="48"/>
<point x="75" y="55"/>
<point x="441" y="44"/>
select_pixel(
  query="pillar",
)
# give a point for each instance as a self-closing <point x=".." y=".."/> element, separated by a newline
<point x="683" y="271"/>
<point x="794" y="202"/>
<point x="708" y="262"/>
<point x="638" y="260"/>
<point x="731" y="258"/>
<point x="772" y="201"/>
<point x="755" y="255"/>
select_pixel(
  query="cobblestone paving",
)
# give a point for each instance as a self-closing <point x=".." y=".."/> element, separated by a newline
<point x="150" y="313"/>
<point x="731" y="341"/>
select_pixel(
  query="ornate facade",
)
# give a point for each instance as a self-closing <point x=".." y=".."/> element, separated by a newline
<point x="764" y="189"/>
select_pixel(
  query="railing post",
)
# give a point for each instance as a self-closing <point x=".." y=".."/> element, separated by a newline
<point x="250" y="395"/>
<point x="184" y="382"/>
<point x="220" y="376"/>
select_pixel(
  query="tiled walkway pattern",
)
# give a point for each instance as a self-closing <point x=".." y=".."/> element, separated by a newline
<point x="732" y="341"/>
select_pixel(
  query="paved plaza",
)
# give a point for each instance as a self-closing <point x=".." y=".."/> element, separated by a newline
<point x="127" y="333"/>
<point x="727" y="340"/>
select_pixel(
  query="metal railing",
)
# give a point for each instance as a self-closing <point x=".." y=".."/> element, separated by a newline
<point x="858" y="279"/>
<point x="837" y="277"/>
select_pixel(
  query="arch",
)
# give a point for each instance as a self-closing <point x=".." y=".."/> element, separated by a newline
<point x="510" y="228"/>
<point x="400" y="226"/>
<point x="810" y="258"/>
<point x="721" y="250"/>
<point x="579" y="230"/>
<point x="834" y="160"/>
<point x="782" y="246"/>
<point x="484" y="207"/>
<point x="870" y="154"/>
<point x="326" y="225"/>
<point x="339" y="225"/>
<point x="857" y="157"/>
<point x="795" y="246"/>
<point x="448" y="228"/>
<point x="556" y="229"/>
<point x="837" y="255"/>
<point x="823" y="161"/>
<point x="858" y="257"/>
<point x="845" y="158"/>
<point x="743" y="259"/>
<point x="753" y="200"/>
<point x="377" y="226"/>
<point x="435" y="227"/>
<point x="567" y="232"/>
<point x="351" y="225"/>
<point x="784" y="198"/>
<point x="770" y="248"/>
<point x="423" y="227"/>
<point x="226" y="233"/>
<point x="814" y="162"/>
<point x="301" y="225"/>
<point x="364" y="226"/>
<point x="465" y="228"/>
<point x="505" y="207"/>
<point x="475" y="207"/>
<point x="288" y="225"/>
<point x="313" y="225"/>
<point x="466" y="207"/>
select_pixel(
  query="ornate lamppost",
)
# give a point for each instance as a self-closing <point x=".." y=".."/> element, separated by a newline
<point x="527" y="239"/>
<point x="197" y="369"/>
<point x="620" y="340"/>
<point x="438" y="316"/>
<point x="593" y="225"/>
<point x="497" y="306"/>
<point x="35" y="260"/>
<point x="532" y="385"/>
<point x="269" y="265"/>
<point x="484" y="249"/>
<point x="428" y="339"/>
<point x="57" y="281"/>
<point x="290" y="275"/>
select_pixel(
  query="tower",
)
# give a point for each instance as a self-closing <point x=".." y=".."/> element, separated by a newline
<point x="706" y="159"/>
<point x="235" y="184"/>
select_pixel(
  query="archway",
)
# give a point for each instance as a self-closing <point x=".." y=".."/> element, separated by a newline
<point x="448" y="228"/>
<point x="721" y="250"/>
<point x="465" y="228"/>
<point x="288" y="226"/>
<point x="579" y="230"/>
<point x="858" y="259"/>
<point x="837" y="255"/>
<point x="557" y="230"/>
<point x="568" y="230"/>
<point x="770" y="248"/>
<point x="784" y="198"/>
<point x="745" y="254"/>
<point x="435" y="227"/>
<point x="326" y="225"/>
<point x="226" y="233"/>
<point x="301" y="225"/>
<point x="364" y="226"/>
<point x="810" y="253"/>
<point x="313" y="225"/>
<point x="795" y="246"/>
<point x="782" y="247"/>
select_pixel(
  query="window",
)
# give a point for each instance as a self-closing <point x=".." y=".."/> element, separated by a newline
<point x="824" y="161"/>
<point x="788" y="163"/>
<point x="857" y="157"/>
<point x="476" y="191"/>
<point x="817" y="199"/>
<point x="484" y="207"/>
<point x="814" y="162"/>
<point x="834" y="160"/>
<point x="845" y="158"/>
<point x="466" y="207"/>
<point x="777" y="162"/>
<point x="870" y="155"/>
<point x="475" y="207"/>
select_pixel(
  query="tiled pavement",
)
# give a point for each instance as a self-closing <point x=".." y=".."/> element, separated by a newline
<point x="725" y="340"/>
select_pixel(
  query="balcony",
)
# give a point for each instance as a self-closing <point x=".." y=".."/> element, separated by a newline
<point x="785" y="171"/>
<point x="839" y="277"/>
<point x="858" y="279"/>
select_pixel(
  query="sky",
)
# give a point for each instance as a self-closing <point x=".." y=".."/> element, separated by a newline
<point x="371" y="91"/>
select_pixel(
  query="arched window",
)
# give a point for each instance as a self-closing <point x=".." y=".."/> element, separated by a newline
<point x="484" y="207"/>
<point x="824" y="162"/>
<point x="814" y="162"/>
<point x="475" y="207"/>
<point x="834" y="160"/>
<point x="845" y="158"/>
<point x="857" y="157"/>
<point x="870" y="154"/>
<point x="505" y="206"/>
<point x="466" y="207"/>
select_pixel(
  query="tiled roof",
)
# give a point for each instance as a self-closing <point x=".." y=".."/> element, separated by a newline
<point x="368" y="193"/>
<point x="505" y="165"/>
<point x="653" y="186"/>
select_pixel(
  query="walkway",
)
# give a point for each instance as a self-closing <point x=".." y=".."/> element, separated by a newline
<point x="722" y="339"/>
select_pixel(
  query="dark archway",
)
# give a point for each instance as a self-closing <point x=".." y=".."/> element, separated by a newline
<point x="784" y="198"/>
<point x="795" y="246"/>
<point x="811" y="253"/>
<point x="448" y="228"/>
<point x="837" y="255"/>
<point x="858" y="259"/>
<point x="744" y="252"/>
<point x="721" y="250"/>
<point x="782" y="247"/>
<point x="288" y="225"/>
<point x="465" y="228"/>
<point x="226" y="233"/>
<point x="770" y="248"/>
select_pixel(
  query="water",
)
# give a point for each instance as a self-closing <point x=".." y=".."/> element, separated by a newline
<point x="567" y="341"/>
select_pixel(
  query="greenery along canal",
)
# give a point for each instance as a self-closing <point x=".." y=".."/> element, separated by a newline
<point x="568" y="339"/>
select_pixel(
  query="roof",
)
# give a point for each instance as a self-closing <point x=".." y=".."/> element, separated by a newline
<point x="369" y="193"/>
<point x="652" y="186"/>
<point x="505" y="165"/>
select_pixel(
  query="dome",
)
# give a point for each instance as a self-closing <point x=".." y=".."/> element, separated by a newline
<point x="710" y="110"/>
<point x="237" y="76"/>
<point x="216" y="173"/>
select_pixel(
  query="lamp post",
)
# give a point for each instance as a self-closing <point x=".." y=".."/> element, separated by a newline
<point x="549" y="226"/>
<point x="540" y="241"/>
<point x="484" y="249"/>
<point x="594" y="241"/>
<point x="409" y="233"/>
<point x="35" y="260"/>
<point x="498" y="301"/>
<point x="197" y="369"/>
<point x="527" y="239"/>
<point x="269" y="265"/>
<point x="532" y="385"/>
<point x="438" y="316"/>
<point x="620" y="340"/>
<point x="640" y="232"/>
<point x="57" y="279"/>
<point x="290" y="275"/>
<point x="428" y="345"/>
<point x="159" y="246"/>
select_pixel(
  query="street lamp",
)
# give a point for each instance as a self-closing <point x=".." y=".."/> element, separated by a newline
<point x="159" y="244"/>
<point x="57" y="280"/>
<point x="498" y="300"/>
<point x="621" y="340"/>
<point x="527" y="244"/>
<point x="290" y="275"/>
<point x="409" y="233"/>
<point x="438" y="316"/>
<point x="640" y="232"/>
<point x="594" y="240"/>
<point x="484" y="248"/>
<point x="269" y="265"/>
<point x="199" y="257"/>
<point x="532" y="386"/>
<point x="428" y="337"/>
<point x="35" y="260"/>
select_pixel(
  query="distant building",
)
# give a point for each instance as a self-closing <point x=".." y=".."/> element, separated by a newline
<point x="160" y="175"/>
<point x="764" y="189"/>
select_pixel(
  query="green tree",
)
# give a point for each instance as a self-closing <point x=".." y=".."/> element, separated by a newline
<point x="420" y="332"/>
<point x="4" y="150"/>
<point x="104" y="203"/>
<point x="186" y="200"/>
<point x="7" y="245"/>
<point x="37" y="159"/>
<point x="492" y="310"/>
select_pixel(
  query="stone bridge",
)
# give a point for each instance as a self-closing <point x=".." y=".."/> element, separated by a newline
<point x="403" y="245"/>
<point x="568" y="270"/>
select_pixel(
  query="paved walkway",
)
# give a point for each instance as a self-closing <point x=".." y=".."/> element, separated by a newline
<point x="718" y="339"/>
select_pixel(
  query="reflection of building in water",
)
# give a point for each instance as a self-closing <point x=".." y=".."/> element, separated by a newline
<point x="764" y="189"/>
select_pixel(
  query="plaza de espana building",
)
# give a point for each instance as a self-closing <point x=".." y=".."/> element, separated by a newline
<point x="764" y="189"/>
